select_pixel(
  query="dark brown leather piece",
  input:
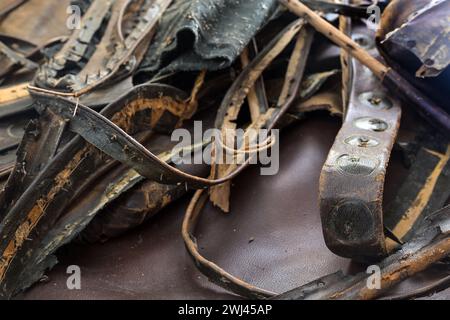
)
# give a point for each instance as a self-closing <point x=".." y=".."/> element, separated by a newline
<point x="151" y="262"/>
<point x="402" y="57"/>
<point x="126" y="29"/>
<point x="267" y="240"/>
<point x="272" y="238"/>
<point x="352" y="180"/>
<point x="25" y="24"/>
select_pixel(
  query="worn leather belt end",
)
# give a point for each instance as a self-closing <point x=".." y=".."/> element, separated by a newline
<point x="352" y="180"/>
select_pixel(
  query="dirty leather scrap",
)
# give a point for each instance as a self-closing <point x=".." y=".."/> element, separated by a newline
<point x="425" y="189"/>
<point x="406" y="45"/>
<point x="205" y="34"/>
<point x="427" y="44"/>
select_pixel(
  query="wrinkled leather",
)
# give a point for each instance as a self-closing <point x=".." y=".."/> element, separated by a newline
<point x="403" y="60"/>
<point x="272" y="237"/>
<point x="206" y="34"/>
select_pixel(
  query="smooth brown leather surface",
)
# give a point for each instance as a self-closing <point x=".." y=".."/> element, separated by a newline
<point x="272" y="237"/>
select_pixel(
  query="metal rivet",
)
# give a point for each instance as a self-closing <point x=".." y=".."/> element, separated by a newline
<point x="373" y="124"/>
<point x="352" y="221"/>
<point x="357" y="165"/>
<point x="361" y="141"/>
<point x="363" y="41"/>
<point x="429" y="62"/>
<point x="375" y="100"/>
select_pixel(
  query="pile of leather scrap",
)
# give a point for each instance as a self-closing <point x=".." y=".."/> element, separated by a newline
<point x="95" y="96"/>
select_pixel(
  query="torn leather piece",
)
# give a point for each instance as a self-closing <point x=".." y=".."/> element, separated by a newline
<point x="66" y="176"/>
<point x="322" y="98"/>
<point x="429" y="244"/>
<point x="127" y="203"/>
<point x="117" y="144"/>
<point x="210" y="34"/>
<point x="124" y="29"/>
<point x="352" y="179"/>
<point x="124" y="199"/>
<point x="403" y="60"/>
<point x="205" y="35"/>
<point x="113" y="141"/>
<point x="131" y="210"/>
<point x="317" y="92"/>
<point x="39" y="145"/>
<point x="431" y="45"/>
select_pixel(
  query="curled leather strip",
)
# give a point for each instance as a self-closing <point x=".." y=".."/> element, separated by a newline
<point x="242" y="88"/>
<point x="121" y="199"/>
<point x="211" y="270"/>
<point x="215" y="273"/>
<point x="43" y="202"/>
<point x="117" y="144"/>
<point x="203" y="20"/>
<point x="235" y="96"/>
<point x="124" y="199"/>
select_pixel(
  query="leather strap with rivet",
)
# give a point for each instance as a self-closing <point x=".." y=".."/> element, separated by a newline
<point x="352" y="179"/>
